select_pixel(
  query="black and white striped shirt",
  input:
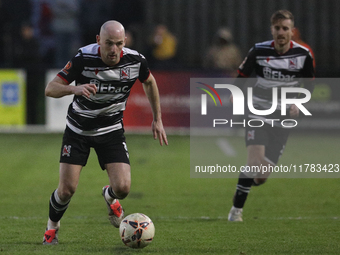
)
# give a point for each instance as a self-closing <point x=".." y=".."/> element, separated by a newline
<point x="275" y="70"/>
<point x="103" y="112"/>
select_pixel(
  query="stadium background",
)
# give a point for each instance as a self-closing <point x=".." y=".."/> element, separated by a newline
<point x="193" y="23"/>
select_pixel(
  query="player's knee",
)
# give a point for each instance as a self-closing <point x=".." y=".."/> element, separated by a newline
<point x="65" y="194"/>
<point x="122" y="191"/>
<point x="255" y="161"/>
<point x="259" y="181"/>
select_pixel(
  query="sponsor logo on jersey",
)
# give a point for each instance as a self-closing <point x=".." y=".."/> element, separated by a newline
<point x="108" y="88"/>
<point x="125" y="73"/>
<point x="270" y="74"/>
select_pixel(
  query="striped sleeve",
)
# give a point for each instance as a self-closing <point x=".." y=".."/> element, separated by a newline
<point x="248" y="64"/>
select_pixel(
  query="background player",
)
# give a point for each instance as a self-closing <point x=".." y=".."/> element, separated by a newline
<point x="271" y="60"/>
<point x="104" y="73"/>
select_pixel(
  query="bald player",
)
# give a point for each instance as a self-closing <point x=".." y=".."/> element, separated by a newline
<point x="104" y="73"/>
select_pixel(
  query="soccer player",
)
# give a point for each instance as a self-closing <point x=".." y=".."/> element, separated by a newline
<point x="277" y="63"/>
<point x="104" y="73"/>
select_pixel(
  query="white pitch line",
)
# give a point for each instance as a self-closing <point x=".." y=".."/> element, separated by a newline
<point x="226" y="147"/>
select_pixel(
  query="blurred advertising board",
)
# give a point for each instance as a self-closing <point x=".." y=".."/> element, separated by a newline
<point x="174" y="93"/>
<point x="56" y="108"/>
<point x="12" y="97"/>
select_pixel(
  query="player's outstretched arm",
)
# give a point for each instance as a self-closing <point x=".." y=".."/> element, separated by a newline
<point x="151" y="91"/>
<point x="58" y="88"/>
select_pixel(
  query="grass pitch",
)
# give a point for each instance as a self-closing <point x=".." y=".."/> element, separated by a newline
<point x="284" y="216"/>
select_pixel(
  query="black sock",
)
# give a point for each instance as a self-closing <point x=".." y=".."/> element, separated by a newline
<point x="242" y="190"/>
<point x="56" y="210"/>
<point x="111" y="193"/>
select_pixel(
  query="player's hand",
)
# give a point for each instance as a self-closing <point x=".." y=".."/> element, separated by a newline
<point x="159" y="132"/>
<point x="294" y="111"/>
<point x="85" y="90"/>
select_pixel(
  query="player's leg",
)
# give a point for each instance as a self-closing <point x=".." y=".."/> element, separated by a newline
<point x="114" y="157"/>
<point x="255" y="157"/>
<point x="258" y="160"/>
<point x="60" y="199"/>
<point x="120" y="181"/>
<point x="256" y="141"/>
<point x="274" y="140"/>
<point x="73" y="156"/>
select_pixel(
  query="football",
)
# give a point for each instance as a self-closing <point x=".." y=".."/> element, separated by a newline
<point x="137" y="230"/>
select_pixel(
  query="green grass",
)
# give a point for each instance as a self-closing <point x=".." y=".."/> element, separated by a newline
<point x="284" y="216"/>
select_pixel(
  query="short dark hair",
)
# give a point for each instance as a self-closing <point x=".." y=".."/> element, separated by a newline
<point x="281" y="14"/>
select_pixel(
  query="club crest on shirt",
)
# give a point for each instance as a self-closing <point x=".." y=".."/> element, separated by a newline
<point x="66" y="150"/>
<point x="251" y="135"/>
<point x="292" y="63"/>
<point x="125" y="73"/>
